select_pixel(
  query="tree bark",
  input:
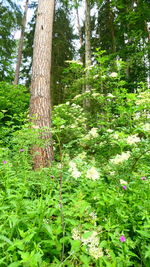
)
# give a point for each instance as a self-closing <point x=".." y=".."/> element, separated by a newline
<point x="111" y="25"/>
<point x="88" y="60"/>
<point x="79" y="27"/>
<point x="20" y="47"/>
<point x="40" y="102"/>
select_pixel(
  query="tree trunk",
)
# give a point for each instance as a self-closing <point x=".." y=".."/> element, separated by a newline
<point x="88" y="61"/>
<point x="20" y="47"/>
<point x="79" y="27"/>
<point x="111" y="25"/>
<point x="40" y="103"/>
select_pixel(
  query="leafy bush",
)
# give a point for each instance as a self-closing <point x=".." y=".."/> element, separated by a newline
<point x="91" y="207"/>
<point x="13" y="108"/>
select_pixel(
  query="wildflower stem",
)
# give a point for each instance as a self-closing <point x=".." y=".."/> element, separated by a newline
<point x="61" y="198"/>
<point x="137" y="159"/>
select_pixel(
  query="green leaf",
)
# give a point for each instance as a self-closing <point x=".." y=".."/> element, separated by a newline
<point x="75" y="245"/>
<point x="4" y="238"/>
<point x="15" y="264"/>
<point x="85" y="260"/>
<point x="147" y="253"/>
<point x="144" y="233"/>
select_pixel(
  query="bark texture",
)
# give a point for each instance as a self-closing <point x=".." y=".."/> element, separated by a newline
<point x="88" y="61"/>
<point x="20" y="47"/>
<point x="40" y="102"/>
<point x="87" y="34"/>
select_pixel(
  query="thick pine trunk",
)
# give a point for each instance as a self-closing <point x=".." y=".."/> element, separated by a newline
<point x="40" y="103"/>
<point x="20" y="47"/>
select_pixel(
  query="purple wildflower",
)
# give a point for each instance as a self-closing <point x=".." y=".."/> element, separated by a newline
<point x="143" y="178"/>
<point x="122" y="238"/>
<point x="5" y="162"/>
<point x="124" y="187"/>
<point x="22" y="149"/>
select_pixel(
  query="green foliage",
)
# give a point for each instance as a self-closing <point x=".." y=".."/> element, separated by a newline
<point x="13" y="108"/>
<point x="122" y="31"/>
<point x="9" y="23"/>
<point x="91" y="207"/>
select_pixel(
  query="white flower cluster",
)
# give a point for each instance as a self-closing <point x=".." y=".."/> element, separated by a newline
<point x="93" y="215"/>
<point x="132" y="139"/>
<point x="92" y="174"/>
<point x="76" y="234"/>
<point x="146" y="127"/>
<point x="92" y="242"/>
<point x="73" y="169"/>
<point x="77" y="96"/>
<point x="143" y="98"/>
<point x="123" y="182"/>
<point x="74" y="62"/>
<point x="96" y="252"/>
<point x="92" y="134"/>
<point x="112" y="173"/>
<point x="113" y="74"/>
<point x="109" y="131"/>
<point x="115" y="136"/>
<point x="110" y="95"/>
<point x="96" y="76"/>
<point x="120" y="158"/>
<point x="96" y="94"/>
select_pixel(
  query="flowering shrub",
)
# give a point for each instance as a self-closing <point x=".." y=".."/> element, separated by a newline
<point x="91" y="207"/>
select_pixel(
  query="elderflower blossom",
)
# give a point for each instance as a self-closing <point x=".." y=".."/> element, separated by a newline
<point x="123" y="182"/>
<point x="132" y="139"/>
<point x="92" y="240"/>
<point x="113" y="74"/>
<point x="72" y="165"/>
<point x="110" y="95"/>
<point x="109" y="130"/>
<point x="92" y="174"/>
<point x="96" y="252"/>
<point x="75" y="234"/>
<point x="76" y="174"/>
<point x="95" y="94"/>
<point x="74" y="62"/>
<point x="143" y="99"/>
<point x="73" y="169"/>
<point x="115" y="135"/>
<point x="120" y="158"/>
<point x="77" y="96"/>
<point x="112" y="173"/>
<point x="146" y="127"/>
<point x="93" y="132"/>
<point x="93" y="215"/>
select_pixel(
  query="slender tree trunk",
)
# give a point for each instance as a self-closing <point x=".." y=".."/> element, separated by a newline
<point x="111" y="25"/>
<point x="148" y="54"/>
<point x="79" y="27"/>
<point x="40" y="103"/>
<point x="88" y="60"/>
<point x="20" y="47"/>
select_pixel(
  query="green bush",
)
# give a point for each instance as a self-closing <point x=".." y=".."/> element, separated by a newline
<point x="14" y="102"/>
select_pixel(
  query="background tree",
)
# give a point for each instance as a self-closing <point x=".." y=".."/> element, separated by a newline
<point x="62" y="50"/>
<point x="20" y="45"/>
<point x="122" y="32"/>
<point x="10" y="19"/>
